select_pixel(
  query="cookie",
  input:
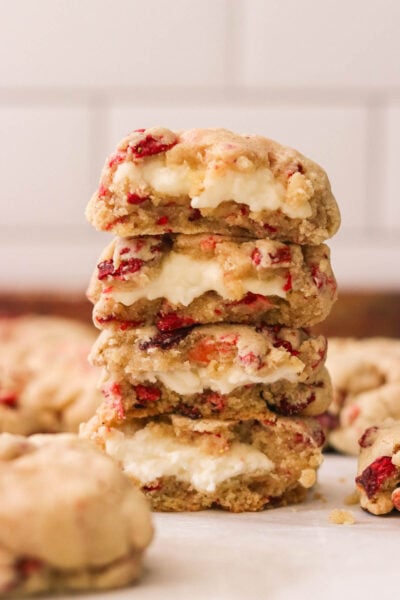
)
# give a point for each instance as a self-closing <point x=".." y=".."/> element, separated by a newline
<point x="179" y="280"/>
<point x="69" y="518"/>
<point x="219" y="358"/>
<point x="186" y="465"/>
<point x="212" y="180"/>
<point x="46" y="382"/>
<point x="366" y="382"/>
<point x="378" y="476"/>
<point x="256" y="401"/>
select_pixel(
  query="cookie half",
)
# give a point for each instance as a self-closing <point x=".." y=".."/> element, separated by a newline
<point x="186" y="465"/>
<point x="378" y="478"/>
<point x="179" y="280"/>
<point x="219" y="358"/>
<point x="213" y="180"/>
<point x="69" y="518"/>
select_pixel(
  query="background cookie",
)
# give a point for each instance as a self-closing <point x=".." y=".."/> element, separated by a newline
<point x="46" y="382"/>
<point x="87" y="531"/>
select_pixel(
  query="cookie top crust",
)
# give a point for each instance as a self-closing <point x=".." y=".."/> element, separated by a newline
<point x="80" y="529"/>
<point x="204" y="169"/>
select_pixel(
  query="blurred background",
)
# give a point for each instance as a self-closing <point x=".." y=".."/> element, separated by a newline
<point x="77" y="75"/>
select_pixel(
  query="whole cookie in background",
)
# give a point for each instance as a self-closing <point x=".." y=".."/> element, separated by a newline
<point x="46" y="382"/>
<point x="378" y="477"/>
<point x="365" y="376"/>
<point x="69" y="518"/>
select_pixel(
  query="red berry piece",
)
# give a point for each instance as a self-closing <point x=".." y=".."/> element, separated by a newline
<point x="287" y="345"/>
<point x="375" y="475"/>
<point x="288" y="285"/>
<point x="165" y="339"/>
<point x="162" y="220"/>
<point x="105" y="268"/>
<point x="282" y="255"/>
<point x="28" y="566"/>
<point x="288" y="408"/>
<point x="103" y="191"/>
<point x="145" y="393"/>
<point x="256" y="256"/>
<point x="136" y="199"/>
<point x="116" y="159"/>
<point x="269" y="228"/>
<point x="153" y="487"/>
<point x="216" y="401"/>
<point x="173" y="321"/>
<point x="9" y="400"/>
<point x="195" y="215"/>
<point x="368" y="437"/>
<point x="149" y="146"/>
<point x="328" y="421"/>
<point x="191" y="412"/>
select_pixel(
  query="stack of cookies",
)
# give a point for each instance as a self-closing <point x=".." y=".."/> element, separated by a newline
<point x="211" y="377"/>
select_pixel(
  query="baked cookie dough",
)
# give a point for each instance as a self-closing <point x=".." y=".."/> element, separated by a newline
<point x="219" y="358"/>
<point x="186" y="465"/>
<point x="253" y="401"/>
<point x="69" y="518"/>
<point x="378" y="479"/>
<point x="179" y="280"/>
<point x="46" y="382"/>
<point x="213" y="180"/>
<point x="366" y="382"/>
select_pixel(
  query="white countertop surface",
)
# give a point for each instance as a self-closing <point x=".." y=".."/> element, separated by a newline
<point x="284" y="553"/>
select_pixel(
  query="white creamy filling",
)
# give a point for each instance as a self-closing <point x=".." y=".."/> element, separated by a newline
<point x="147" y="457"/>
<point x="258" y="189"/>
<point x="182" y="279"/>
<point x="196" y="380"/>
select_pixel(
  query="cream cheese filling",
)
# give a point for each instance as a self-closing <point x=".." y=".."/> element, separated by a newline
<point x="258" y="189"/>
<point x="192" y="380"/>
<point x="183" y="278"/>
<point x="148" y="456"/>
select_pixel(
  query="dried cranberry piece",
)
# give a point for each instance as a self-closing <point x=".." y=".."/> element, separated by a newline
<point x="162" y="220"/>
<point x="256" y="256"/>
<point x="287" y="345"/>
<point x="191" y="412"/>
<point x="281" y="255"/>
<point x="374" y="476"/>
<point x="165" y="339"/>
<point x="102" y="191"/>
<point x="288" y="408"/>
<point x="149" y="146"/>
<point x="216" y="401"/>
<point x="328" y="421"/>
<point x="116" y="159"/>
<point x="105" y="268"/>
<point x="152" y="487"/>
<point x="367" y="438"/>
<point x="173" y="321"/>
<point x="195" y="215"/>
<point x="136" y="199"/>
<point x="288" y="285"/>
<point x="251" y="298"/>
<point x="146" y="393"/>
<point x="27" y="566"/>
<point x="132" y="265"/>
<point x="269" y="228"/>
<point x="10" y="400"/>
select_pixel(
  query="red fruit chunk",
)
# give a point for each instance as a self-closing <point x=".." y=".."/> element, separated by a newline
<point x="256" y="256"/>
<point x="105" y="268"/>
<point x="375" y="475"/>
<point x="139" y="130"/>
<point x="195" y="215"/>
<point x="321" y="279"/>
<point x="191" y="412"/>
<point x="163" y="220"/>
<point x="251" y="298"/>
<point x="28" y="566"/>
<point x="10" y="400"/>
<point x="102" y="191"/>
<point x="216" y="401"/>
<point x="287" y="408"/>
<point x="288" y="285"/>
<point x="116" y="159"/>
<point x="269" y="228"/>
<point x="282" y="255"/>
<point x="287" y="345"/>
<point x="165" y="339"/>
<point x="368" y="437"/>
<point x="152" y="487"/>
<point x="149" y="146"/>
<point x="146" y="393"/>
<point x="328" y="421"/>
<point x="136" y="199"/>
<point x="172" y="321"/>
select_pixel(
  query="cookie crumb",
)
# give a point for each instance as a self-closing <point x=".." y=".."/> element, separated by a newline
<point x="341" y="517"/>
<point x="307" y="478"/>
<point x="353" y="498"/>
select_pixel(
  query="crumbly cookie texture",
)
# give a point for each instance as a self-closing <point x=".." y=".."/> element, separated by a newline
<point x="212" y="180"/>
<point x="46" y="382"/>
<point x="219" y="358"/>
<point x="378" y="478"/>
<point x="186" y="465"/>
<point x="124" y="399"/>
<point x="366" y="382"/>
<point x="69" y="518"/>
<point x="176" y="281"/>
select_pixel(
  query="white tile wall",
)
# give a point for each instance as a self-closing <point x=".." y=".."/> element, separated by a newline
<point x="77" y="75"/>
